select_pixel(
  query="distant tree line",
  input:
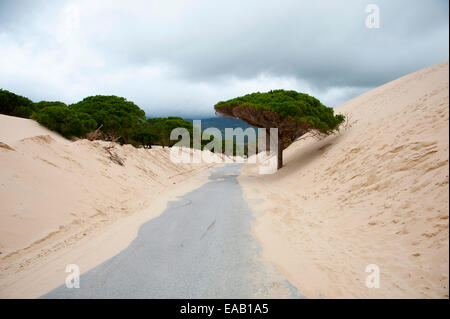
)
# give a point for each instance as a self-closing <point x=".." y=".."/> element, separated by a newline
<point x="112" y="118"/>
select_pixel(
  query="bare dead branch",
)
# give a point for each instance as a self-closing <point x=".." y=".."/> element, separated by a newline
<point x="95" y="135"/>
<point x="349" y="122"/>
<point x="113" y="156"/>
<point x="315" y="134"/>
<point x="113" y="137"/>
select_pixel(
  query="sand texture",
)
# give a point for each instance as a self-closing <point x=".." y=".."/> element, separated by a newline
<point x="65" y="202"/>
<point x="377" y="193"/>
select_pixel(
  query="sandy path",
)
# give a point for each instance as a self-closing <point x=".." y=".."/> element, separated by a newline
<point x="200" y="247"/>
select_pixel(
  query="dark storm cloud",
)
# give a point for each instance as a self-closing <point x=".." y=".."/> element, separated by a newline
<point x="176" y="56"/>
<point x="326" y="43"/>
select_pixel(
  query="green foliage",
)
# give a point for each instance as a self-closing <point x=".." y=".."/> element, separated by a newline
<point x="42" y="104"/>
<point x="65" y="121"/>
<point x="144" y="135"/>
<point x="118" y="116"/>
<point x="299" y="106"/>
<point x="162" y="127"/>
<point x="15" y="105"/>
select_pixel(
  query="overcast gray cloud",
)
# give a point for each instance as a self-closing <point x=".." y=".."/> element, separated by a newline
<point x="181" y="57"/>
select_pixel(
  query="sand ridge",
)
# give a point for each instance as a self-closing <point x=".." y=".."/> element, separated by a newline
<point x="63" y="200"/>
<point x="377" y="193"/>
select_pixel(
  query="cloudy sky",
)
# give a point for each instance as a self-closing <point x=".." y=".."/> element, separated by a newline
<point x="182" y="57"/>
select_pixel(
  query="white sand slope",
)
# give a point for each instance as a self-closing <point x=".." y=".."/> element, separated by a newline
<point x="61" y="201"/>
<point x="14" y="129"/>
<point x="376" y="194"/>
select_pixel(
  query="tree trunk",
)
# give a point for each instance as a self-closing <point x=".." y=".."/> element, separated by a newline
<point x="280" y="155"/>
<point x="267" y="140"/>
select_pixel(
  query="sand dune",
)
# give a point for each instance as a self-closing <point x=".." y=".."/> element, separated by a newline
<point x="57" y="194"/>
<point x="375" y="194"/>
